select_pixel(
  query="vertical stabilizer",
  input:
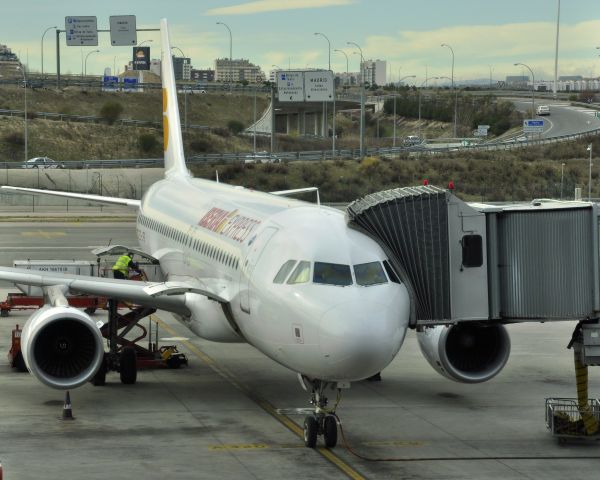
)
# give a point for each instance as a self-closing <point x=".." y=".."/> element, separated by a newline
<point x="173" y="143"/>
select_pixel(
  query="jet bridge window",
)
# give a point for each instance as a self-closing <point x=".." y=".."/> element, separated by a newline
<point x="369" y="274"/>
<point x="472" y="251"/>
<point x="301" y="273"/>
<point x="332" y="274"/>
<point x="284" y="271"/>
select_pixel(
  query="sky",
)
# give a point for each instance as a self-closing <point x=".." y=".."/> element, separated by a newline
<point x="485" y="35"/>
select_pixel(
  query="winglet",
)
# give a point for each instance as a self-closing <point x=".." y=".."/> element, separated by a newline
<point x="173" y="143"/>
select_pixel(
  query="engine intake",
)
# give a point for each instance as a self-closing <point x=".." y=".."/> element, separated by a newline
<point x="468" y="353"/>
<point x="62" y="347"/>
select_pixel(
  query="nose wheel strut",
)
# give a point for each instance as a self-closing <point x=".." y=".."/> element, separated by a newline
<point x="323" y="422"/>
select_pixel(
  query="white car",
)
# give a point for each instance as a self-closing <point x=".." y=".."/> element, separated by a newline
<point x="41" y="162"/>
<point x="412" y="140"/>
<point x="543" y="110"/>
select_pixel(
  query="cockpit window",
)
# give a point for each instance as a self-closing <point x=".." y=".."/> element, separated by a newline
<point x="332" y="274"/>
<point x="301" y="273"/>
<point x="284" y="271"/>
<point x="369" y="274"/>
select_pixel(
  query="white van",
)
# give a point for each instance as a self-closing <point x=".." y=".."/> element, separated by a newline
<point x="543" y="110"/>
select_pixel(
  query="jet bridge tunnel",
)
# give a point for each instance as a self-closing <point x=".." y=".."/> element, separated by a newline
<point x="481" y="262"/>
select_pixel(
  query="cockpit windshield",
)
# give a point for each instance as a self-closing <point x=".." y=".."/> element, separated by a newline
<point x="284" y="271"/>
<point x="369" y="274"/>
<point x="301" y="273"/>
<point x="332" y="274"/>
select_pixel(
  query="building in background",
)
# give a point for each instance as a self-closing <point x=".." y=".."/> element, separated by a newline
<point x="155" y="66"/>
<point x="203" y="76"/>
<point x="517" y="81"/>
<point x="182" y="67"/>
<point x="350" y="78"/>
<point x="374" y="72"/>
<point x="237" y="70"/>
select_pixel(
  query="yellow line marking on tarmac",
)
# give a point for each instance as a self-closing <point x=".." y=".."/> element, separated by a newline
<point x="43" y="234"/>
<point x="261" y="402"/>
<point x="395" y="443"/>
<point x="239" y="446"/>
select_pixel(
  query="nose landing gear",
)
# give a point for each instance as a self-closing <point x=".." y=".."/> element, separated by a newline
<point x="323" y="421"/>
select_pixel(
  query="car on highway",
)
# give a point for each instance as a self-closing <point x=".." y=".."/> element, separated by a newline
<point x="262" y="157"/>
<point x="543" y="110"/>
<point x="412" y="140"/>
<point x="41" y="162"/>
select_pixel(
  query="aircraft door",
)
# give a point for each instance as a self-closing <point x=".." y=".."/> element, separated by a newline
<point x="255" y="251"/>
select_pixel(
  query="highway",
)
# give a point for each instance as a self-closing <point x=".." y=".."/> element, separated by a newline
<point x="229" y="414"/>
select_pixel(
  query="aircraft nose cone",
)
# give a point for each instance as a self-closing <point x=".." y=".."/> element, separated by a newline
<point x="358" y="339"/>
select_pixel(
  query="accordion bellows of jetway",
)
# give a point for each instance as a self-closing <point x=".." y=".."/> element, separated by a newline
<point x="484" y="262"/>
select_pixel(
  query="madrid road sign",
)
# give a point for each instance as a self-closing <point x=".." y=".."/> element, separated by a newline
<point x="533" y="126"/>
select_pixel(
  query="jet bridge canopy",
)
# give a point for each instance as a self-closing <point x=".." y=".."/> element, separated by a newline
<point x="508" y="263"/>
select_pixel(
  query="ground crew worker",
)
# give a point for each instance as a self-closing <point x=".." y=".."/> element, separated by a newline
<point x="123" y="265"/>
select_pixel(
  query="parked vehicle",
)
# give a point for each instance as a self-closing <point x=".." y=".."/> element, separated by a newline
<point x="41" y="162"/>
<point x="412" y="140"/>
<point x="543" y="110"/>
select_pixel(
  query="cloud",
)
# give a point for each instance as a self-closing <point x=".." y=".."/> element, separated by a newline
<point x="261" y="6"/>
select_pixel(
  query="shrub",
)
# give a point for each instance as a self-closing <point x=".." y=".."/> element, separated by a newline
<point x="200" y="145"/>
<point x="14" y="138"/>
<point x="235" y="126"/>
<point x="111" y="111"/>
<point x="147" y="142"/>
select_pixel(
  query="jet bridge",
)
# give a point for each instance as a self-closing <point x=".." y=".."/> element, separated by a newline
<point x="482" y="262"/>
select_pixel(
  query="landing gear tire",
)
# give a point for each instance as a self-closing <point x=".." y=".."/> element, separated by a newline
<point x="330" y="431"/>
<point x="128" y="366"/>
<point x="311" y="429"/>
<point x="99" y="379"/>
<point x="90" y="310"/>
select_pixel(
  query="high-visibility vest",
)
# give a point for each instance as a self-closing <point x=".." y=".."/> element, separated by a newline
<point x="122" y="264"/>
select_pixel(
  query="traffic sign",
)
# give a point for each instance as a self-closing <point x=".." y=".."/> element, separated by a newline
<point x="318" y="86"/>
<point x="122" y="30"/>
<point x="290" y="86"/>
<point x="533" y="126"/>
<point x="482" y="130"/>
<point x="81" y="31"/>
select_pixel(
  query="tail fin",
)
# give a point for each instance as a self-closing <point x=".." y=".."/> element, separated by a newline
<point x="173" y="143"/>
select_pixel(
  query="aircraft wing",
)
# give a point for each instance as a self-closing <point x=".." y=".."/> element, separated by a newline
<point x="80" y="196"/>
<point x="165" y="296"/>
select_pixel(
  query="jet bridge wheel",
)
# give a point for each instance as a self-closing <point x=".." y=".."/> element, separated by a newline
<point x="128" y="366"/>
<point x="311" y="429"/>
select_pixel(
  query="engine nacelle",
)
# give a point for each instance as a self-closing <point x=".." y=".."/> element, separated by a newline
<point x="467" y="353"/>
<point x="62" y="347"/>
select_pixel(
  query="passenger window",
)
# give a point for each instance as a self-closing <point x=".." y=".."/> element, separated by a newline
<point x="301" y="273"/>
<point x="284" y="271"/>
<point x="332" y="274"/>
<point x="369" y="274"/>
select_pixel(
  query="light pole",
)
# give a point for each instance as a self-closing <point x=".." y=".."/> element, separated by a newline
<point x="562" y="178"/>
<point x="43" y="34"/>
<point x="345" y="55"/>
<point x="230" y="51"/>
<point x="329" y="48"/>
<point x="142" y="42"/>
<point x="362" y="100"/>
<point x="490" y="76"/>
<point x="86" y="58"/>
<point x="420" y="88"/>
<point x="394" y="134"/>
<point x="22" y="68"/>
<point x="452" y="79"/>
<point x="589" y="149"/>
<point x="556" y="52"/>
<point x="532" y="87"/>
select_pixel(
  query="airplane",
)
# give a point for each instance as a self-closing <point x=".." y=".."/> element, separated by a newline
<point x="288" y="277"/>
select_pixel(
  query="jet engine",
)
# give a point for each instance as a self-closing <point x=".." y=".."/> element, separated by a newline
<point x="62" y="346"/>
<point x="467" y="352"/>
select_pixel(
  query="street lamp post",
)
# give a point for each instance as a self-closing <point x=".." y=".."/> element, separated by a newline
<point x="230" y="51"/>
<point x="362" y="100"/>
<point x="345" y="55"/>
<point x="329" y="48"/>
<point x="423" y="83"/>
<point x="562" y="178"/>
<point x="43" y="34"/>
<point x="589" y="149"/>
<point x="532" y="86"/>
<point x="490" y="76"/>
<point x="22" y="68"/>
<point x="86" y="59"/>
<point x="556" y="52"/>
<point x="325" y="123"/>
<point x="394" y="134"/>
<point x="452" y="79"/>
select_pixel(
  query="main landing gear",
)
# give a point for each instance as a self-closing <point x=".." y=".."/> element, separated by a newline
<point x="323" y="421"/>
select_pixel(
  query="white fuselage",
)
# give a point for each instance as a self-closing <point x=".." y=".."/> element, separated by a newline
<point x="234" y="241"/>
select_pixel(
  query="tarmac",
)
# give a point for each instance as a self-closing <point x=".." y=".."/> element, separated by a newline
<point x="229" y="413"/>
